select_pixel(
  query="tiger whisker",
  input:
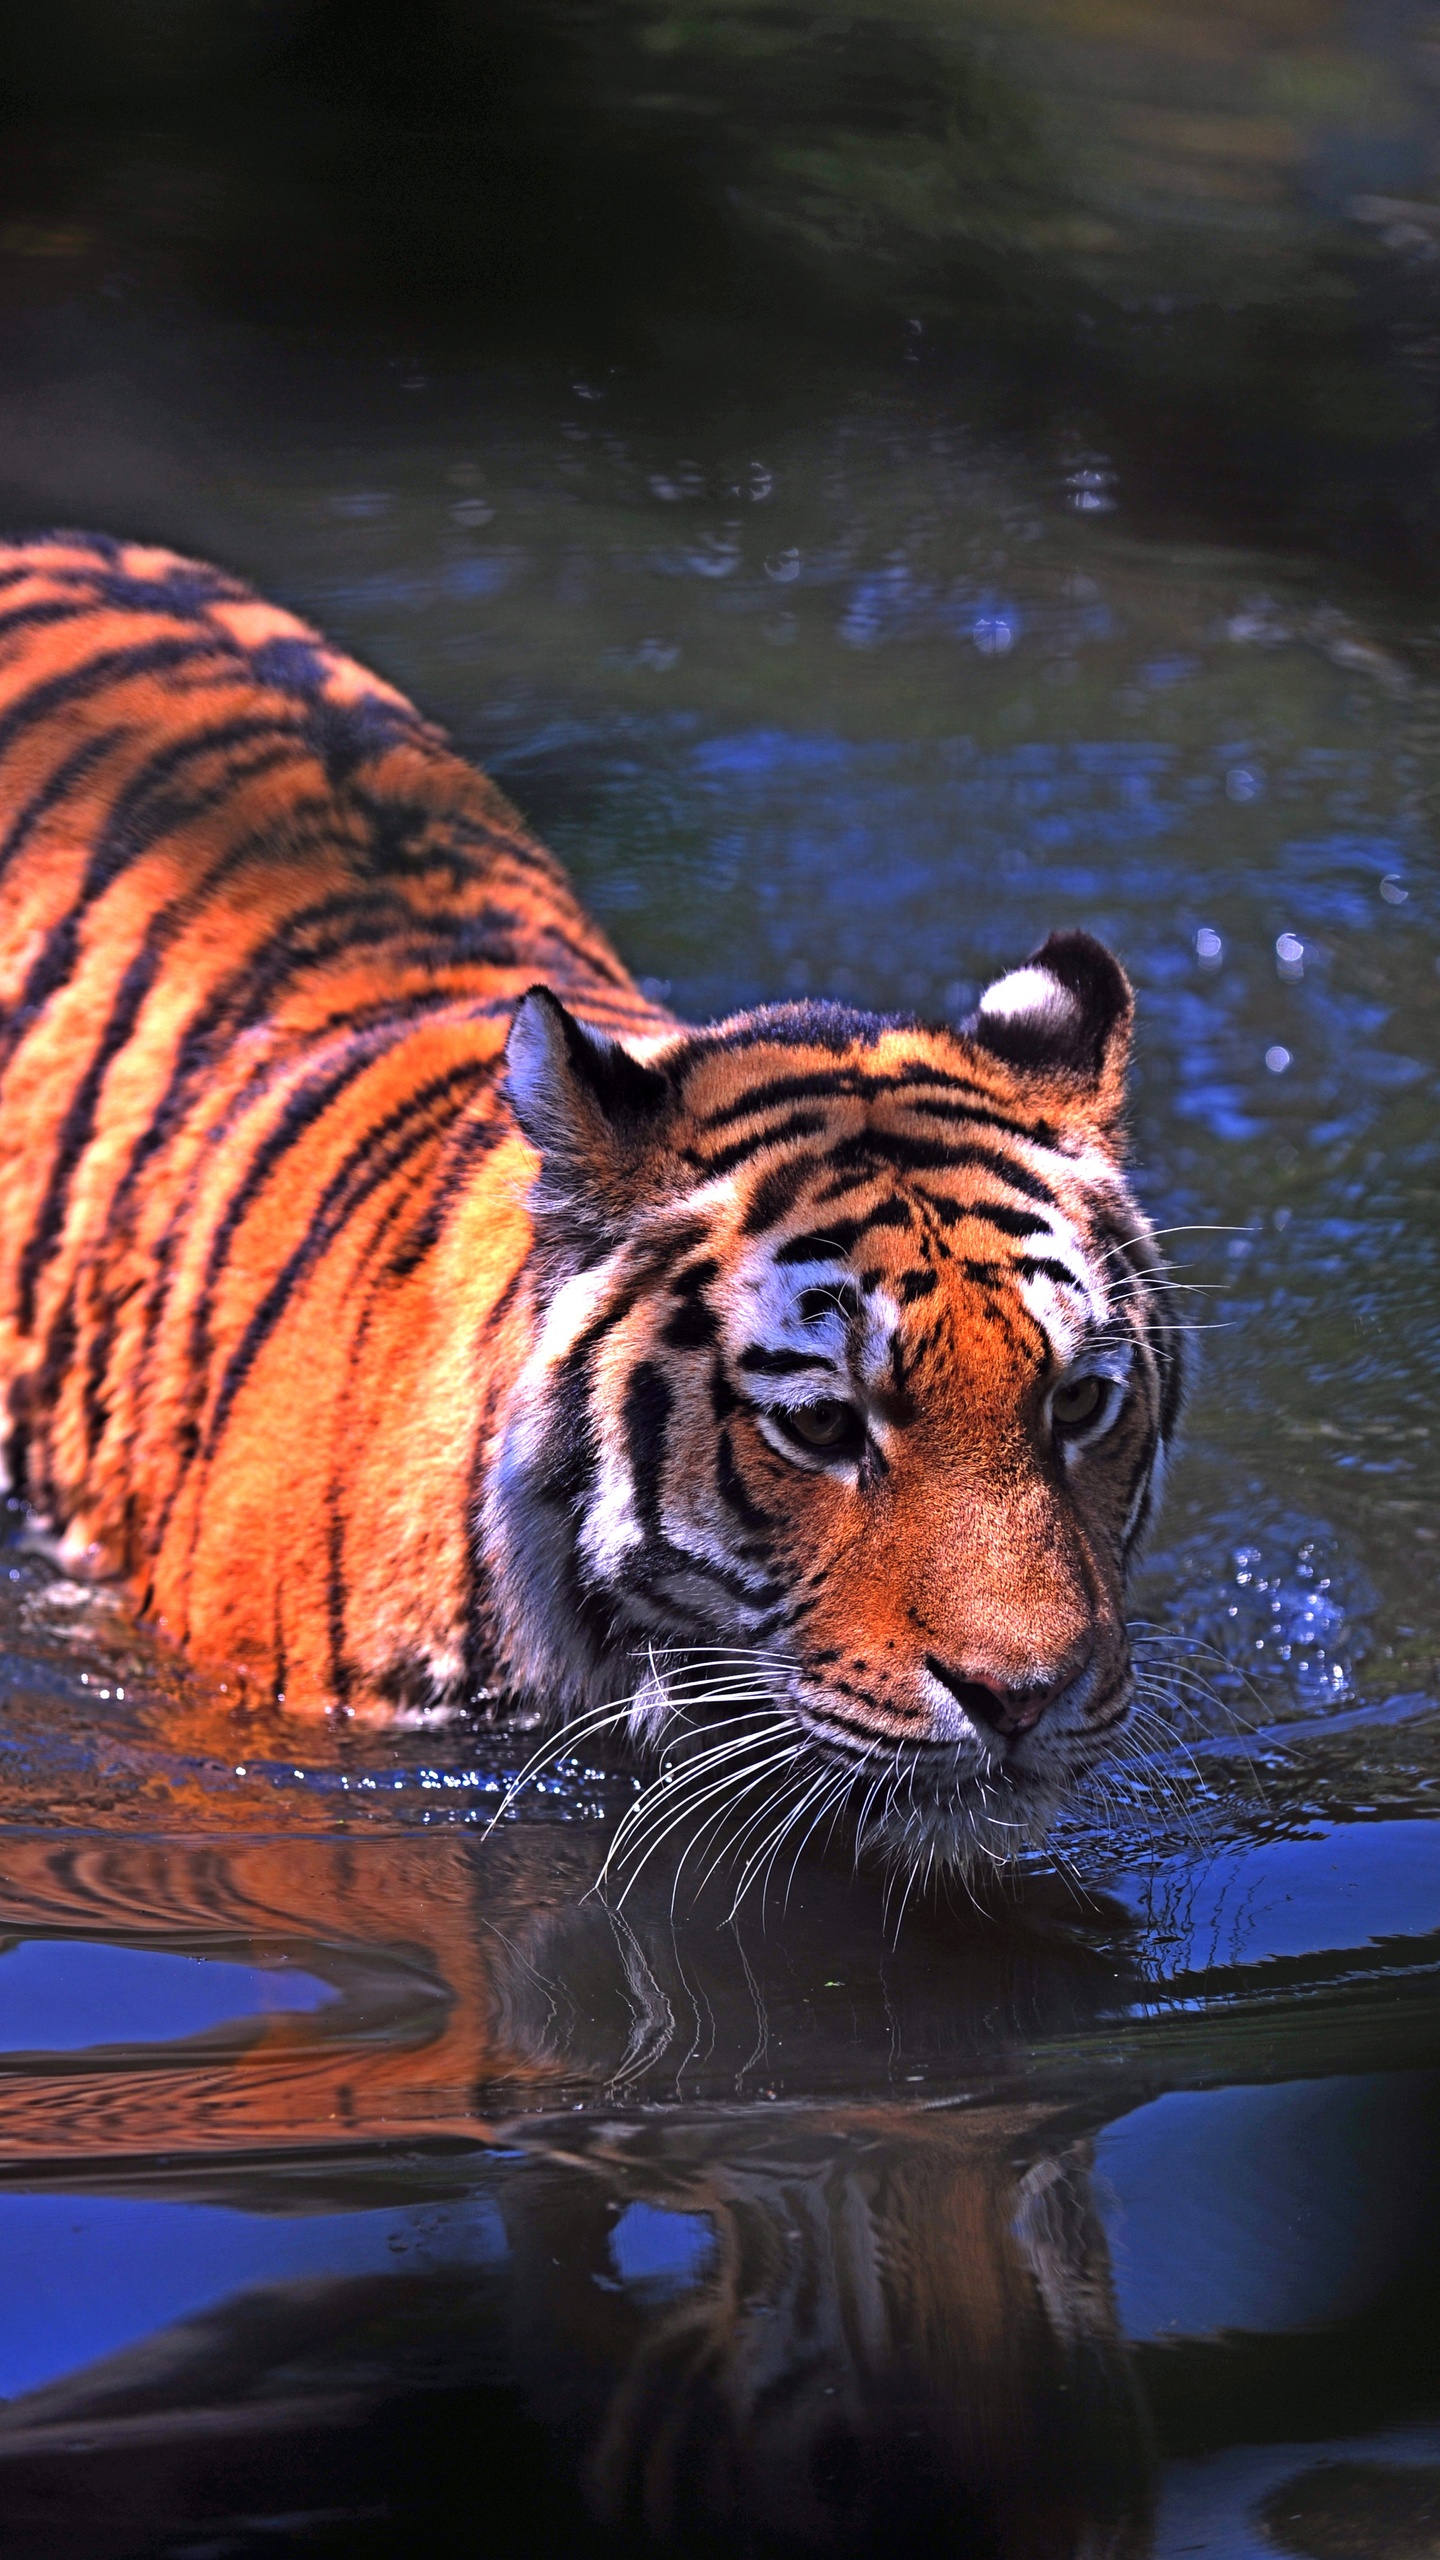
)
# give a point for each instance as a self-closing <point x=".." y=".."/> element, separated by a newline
<point x="758" y="1855"/>
<point x="840" y="1789"/>
<point x="816" y="1794"/>
<point x="593" y="1721"/>
<point x="731" y="1847"/>
<point x="639" y="1856"/>
<point x="677" y="1786"/>
<point x="677" y="1807"/>
<point x="764" y="1857"/>
<point x="713" y="1822"/>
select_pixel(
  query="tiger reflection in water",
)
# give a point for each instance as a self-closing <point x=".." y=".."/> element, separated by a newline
<point x="905" y="2322"/>
<point x="892" y="2317"/>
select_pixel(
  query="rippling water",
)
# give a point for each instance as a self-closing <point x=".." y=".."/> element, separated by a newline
<point x="926" y="480"/>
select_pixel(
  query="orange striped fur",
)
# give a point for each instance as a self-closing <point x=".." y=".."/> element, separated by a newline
<point x="824" y="1345"/>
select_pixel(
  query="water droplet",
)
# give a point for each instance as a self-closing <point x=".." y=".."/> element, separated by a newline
<point x="993" y="634"/>
<point x="1277" y="1059"/>
<point x="1209" y="946"/>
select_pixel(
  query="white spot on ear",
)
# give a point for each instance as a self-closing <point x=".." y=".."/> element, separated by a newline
<point x="1031" y="995"/>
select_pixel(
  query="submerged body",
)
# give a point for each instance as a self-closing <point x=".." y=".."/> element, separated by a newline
<point x="390" y="1364"/>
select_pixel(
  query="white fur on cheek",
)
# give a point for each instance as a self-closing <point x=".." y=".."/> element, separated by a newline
<point x="1030" y="995"/>
<point x="611" y="1529"/>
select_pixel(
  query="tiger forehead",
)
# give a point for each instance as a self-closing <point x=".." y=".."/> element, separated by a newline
<point x="931" y="1074"/>
<point x="913" y="1276"/>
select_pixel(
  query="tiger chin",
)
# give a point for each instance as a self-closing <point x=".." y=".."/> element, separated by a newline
<point x="414" y="1313"/>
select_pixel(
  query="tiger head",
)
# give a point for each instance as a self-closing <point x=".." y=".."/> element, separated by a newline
<point x="853" y="1374"/>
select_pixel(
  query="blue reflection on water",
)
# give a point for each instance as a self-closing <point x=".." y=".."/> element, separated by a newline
<point x="659" y="2252"/>
<point x="1264" y="2209"/>
<point x="83" y="2275"/>
<point x="58" y="1995"/>
<point x="1349" y="1887"/>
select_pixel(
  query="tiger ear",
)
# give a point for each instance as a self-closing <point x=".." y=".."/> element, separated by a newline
<point x="592" y="1110"/>
<point x="1068" y="1012"/>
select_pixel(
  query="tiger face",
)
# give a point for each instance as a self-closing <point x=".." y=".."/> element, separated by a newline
<point x="854" y="1371"/>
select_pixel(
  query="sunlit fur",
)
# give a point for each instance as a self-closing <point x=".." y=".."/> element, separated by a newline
<point x="389" y="1375"/>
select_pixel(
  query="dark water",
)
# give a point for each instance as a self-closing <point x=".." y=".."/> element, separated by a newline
<point x="874" y="488"/>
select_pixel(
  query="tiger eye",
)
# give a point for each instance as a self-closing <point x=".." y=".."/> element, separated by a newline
<point x="1077" y="1403"/>
<point x="826" y="1424"/>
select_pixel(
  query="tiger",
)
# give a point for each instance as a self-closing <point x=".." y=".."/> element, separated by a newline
<point x="417" y="1317"/>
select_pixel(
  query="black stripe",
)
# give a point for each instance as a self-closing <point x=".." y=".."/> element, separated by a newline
<point x="359" y="1175"/>
<point x="336" y="1585"/>
<point x="987" y="1213"/>
<point x="247" y="996"/>
<point x="874" y="1147"/>
<point x="569" y="1442"/>
<point x="43" y="1387"/>
<point x="875" y="1738"/>
<point x="480" y="1664"/>
<point x="475" y="1141"/>
<point x="126" y="840"/>
<point x="781" y="1364"/>
<point x="801" y="1124"/>
<point x="840" y="1082"/>
<point x="694" y="1323"/>
<point x="837" y="1297"/>
<point x="1040" y="1133"/>
<point x="369" y="1039"/>
<point x="775" y="1192"/>
<point x="660" y="1562"/>
<point x="308" y="1104"/>
<point x="1036" y="1266"/>
<point x="63" y="778"/>
<point x="723" y="1399"/>
<point x="646" y="1417"/>
<point x="831" y="1247"/>
<point x="834" y="1084"/>
<point x="77" y="1128"/>
<point x="112" y="666"/>
<point x="336" y="1595"/>
<point x="37" y="617"/>
<point x="732" y="1488"/>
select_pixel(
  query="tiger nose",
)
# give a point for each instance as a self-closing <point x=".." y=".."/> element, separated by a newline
<point x="1006" y="1709"/>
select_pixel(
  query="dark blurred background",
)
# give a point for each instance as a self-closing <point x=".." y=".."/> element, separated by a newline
<point x="1203" y="235"/>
